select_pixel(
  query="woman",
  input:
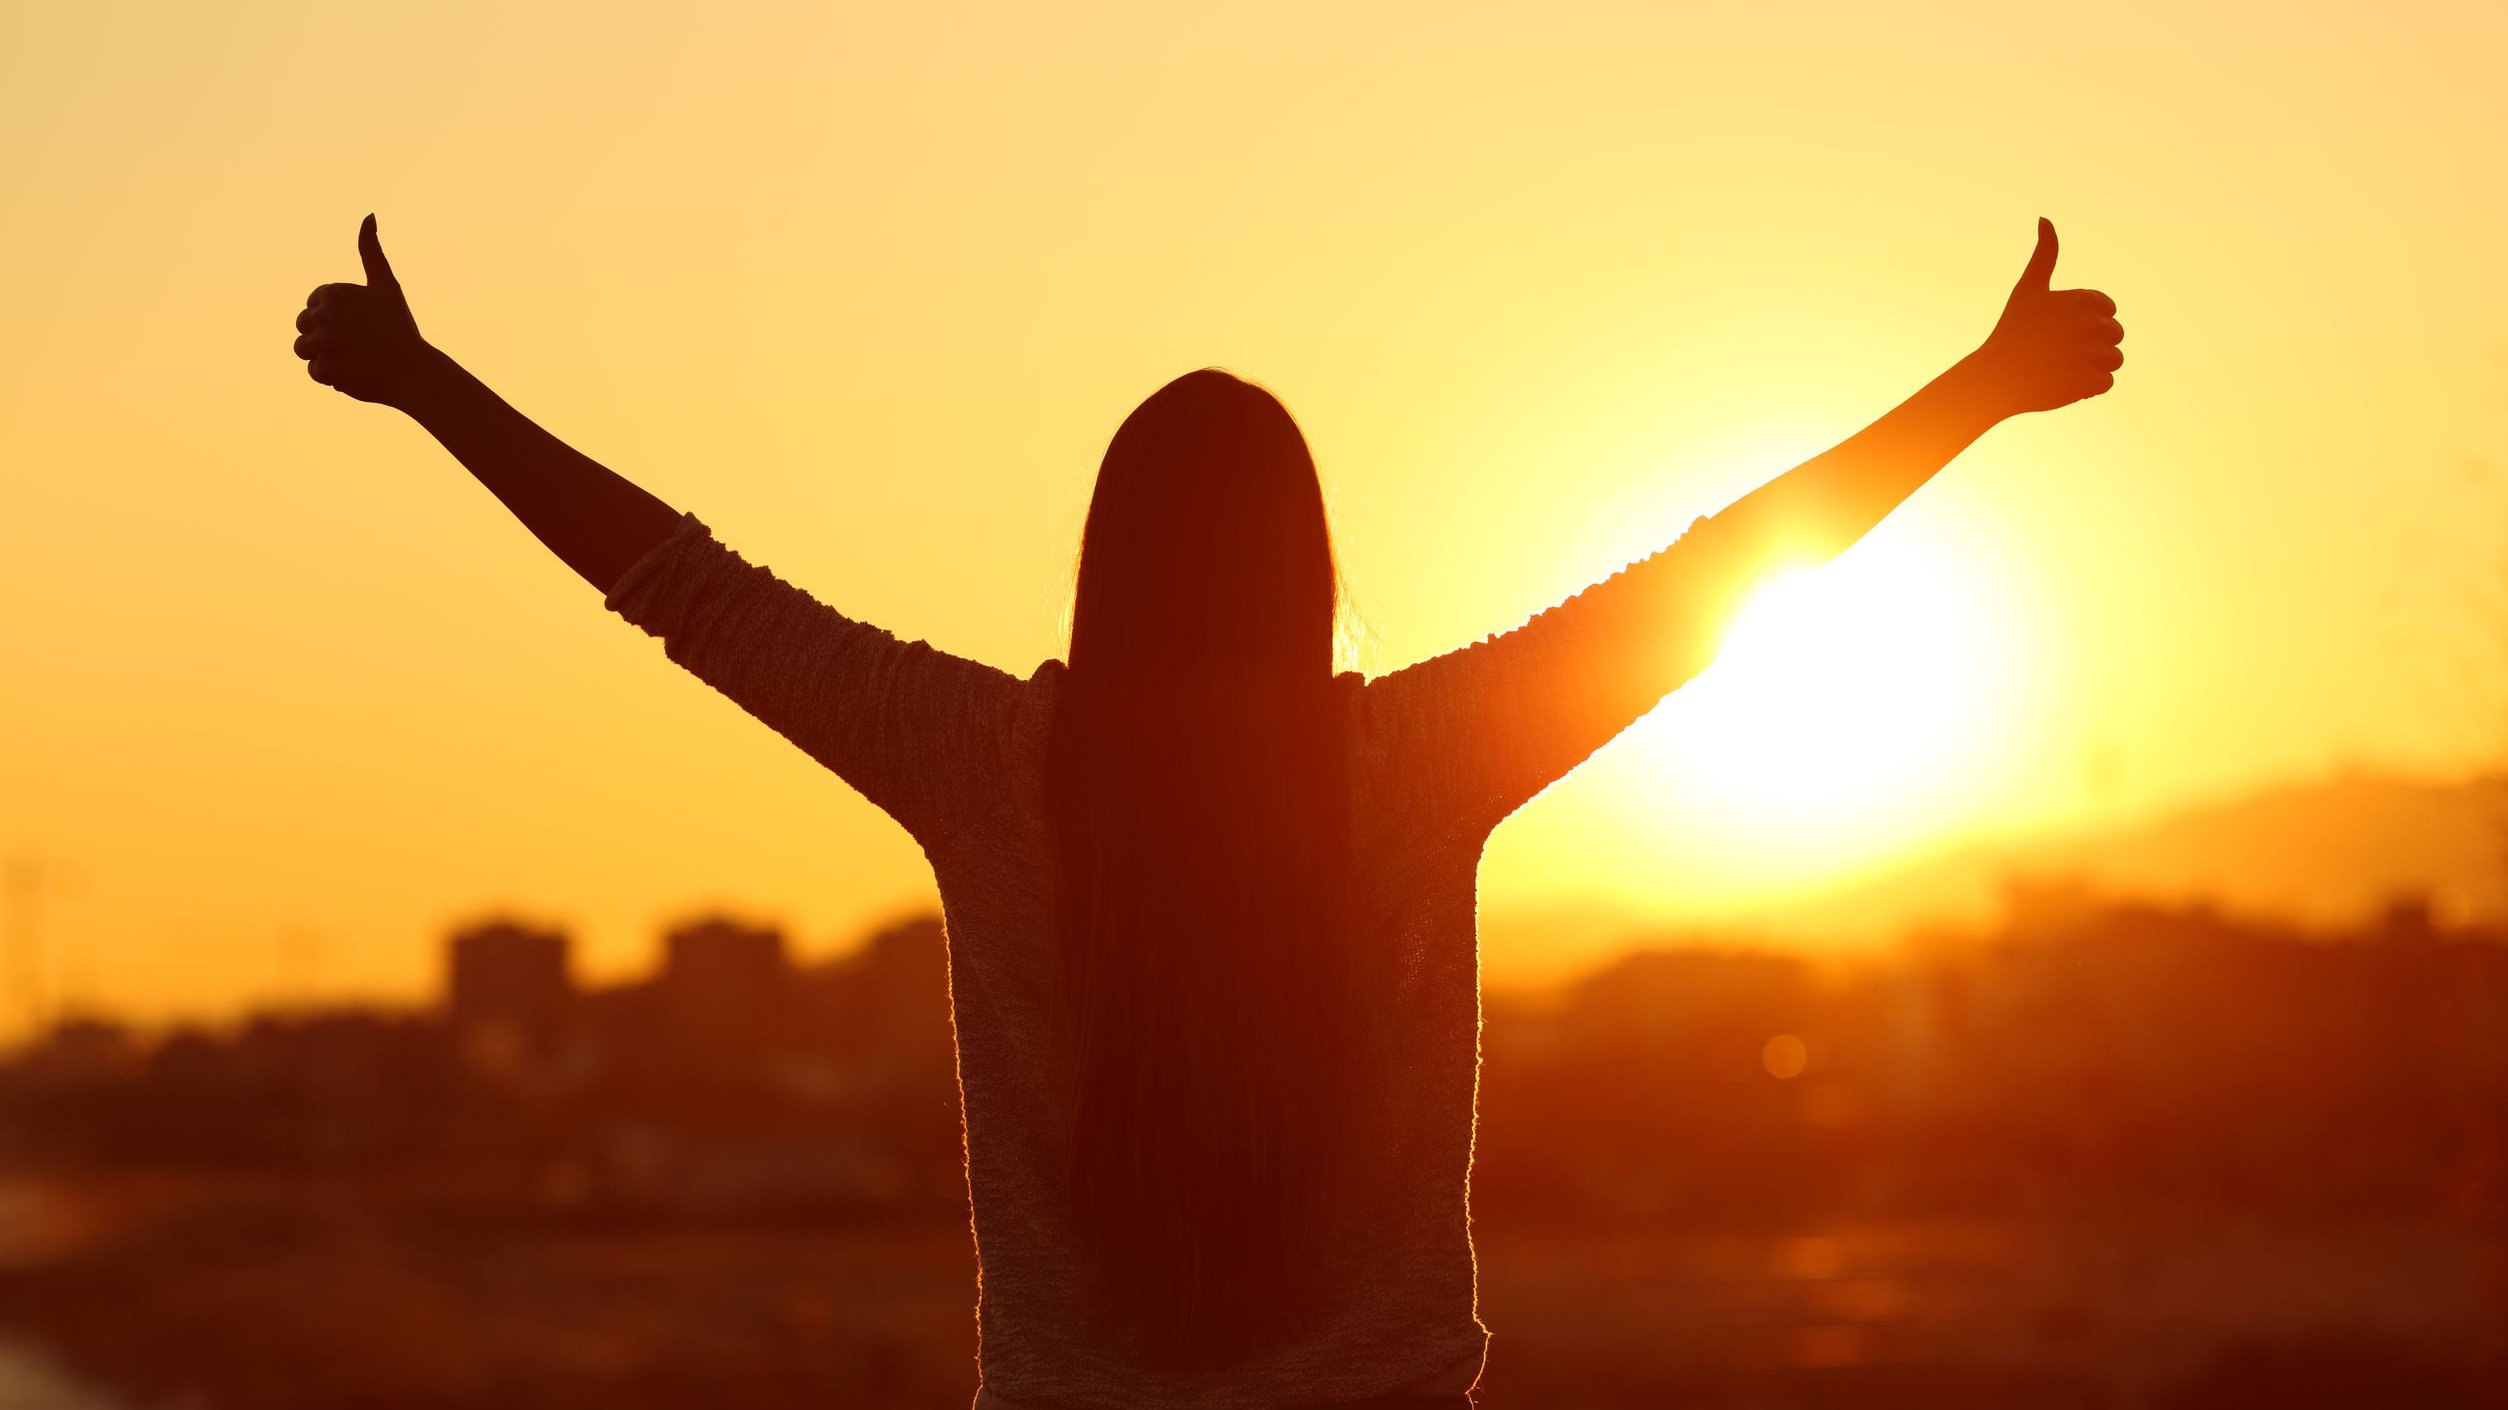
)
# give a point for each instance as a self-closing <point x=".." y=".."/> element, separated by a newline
<point x="1209" y="906"/>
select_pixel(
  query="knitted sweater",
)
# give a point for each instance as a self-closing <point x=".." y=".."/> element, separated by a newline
<point x="1439" y="754"/>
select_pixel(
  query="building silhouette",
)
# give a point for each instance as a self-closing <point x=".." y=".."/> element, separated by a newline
<point x="509" y="995"/>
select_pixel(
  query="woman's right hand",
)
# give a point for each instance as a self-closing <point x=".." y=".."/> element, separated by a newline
<point x="360" y="338"/>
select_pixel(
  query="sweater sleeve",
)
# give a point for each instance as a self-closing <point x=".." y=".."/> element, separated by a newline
<point x="1468" y="737"/>
<point x="919" y="732"/>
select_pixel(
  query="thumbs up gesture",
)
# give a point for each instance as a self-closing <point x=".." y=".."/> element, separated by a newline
<point x="360" y="338"/>
<point x="2052" y="347"/>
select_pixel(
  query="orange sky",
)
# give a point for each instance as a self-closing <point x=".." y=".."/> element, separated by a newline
<point x="286" y="692"/>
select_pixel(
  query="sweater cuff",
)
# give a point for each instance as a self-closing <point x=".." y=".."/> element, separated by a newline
<point x="632" y="596"/>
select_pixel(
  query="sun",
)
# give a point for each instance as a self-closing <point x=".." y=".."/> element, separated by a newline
<point x="1853" y="707"/>
<point x="1832" y="692"/>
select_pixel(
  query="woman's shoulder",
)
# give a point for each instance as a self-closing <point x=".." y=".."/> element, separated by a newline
<point x="1367" y="734"/>
<point x="1031" y="724"/>
<point x="1043" y="690"/>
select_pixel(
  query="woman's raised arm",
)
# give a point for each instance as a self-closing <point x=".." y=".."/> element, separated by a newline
<point x="1478" y="731"/>
<point x="916" y="730"/>
<point x="362" y="340"/>
<point x="2050" y="348"/>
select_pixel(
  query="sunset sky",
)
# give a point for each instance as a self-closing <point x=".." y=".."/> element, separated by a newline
<point x="283" y="693"/>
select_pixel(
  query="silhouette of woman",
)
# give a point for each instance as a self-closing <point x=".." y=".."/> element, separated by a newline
<point x="1209" y="906"/>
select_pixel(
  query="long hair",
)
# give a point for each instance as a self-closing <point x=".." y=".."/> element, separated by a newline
<point x="1200" y="832"/>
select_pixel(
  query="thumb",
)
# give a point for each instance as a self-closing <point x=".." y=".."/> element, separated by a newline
<point x="370" y="250"/>
<point x="2033" y="280"/>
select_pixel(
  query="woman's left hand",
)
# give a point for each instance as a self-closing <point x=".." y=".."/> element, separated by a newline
<point x="2052" y="347"/>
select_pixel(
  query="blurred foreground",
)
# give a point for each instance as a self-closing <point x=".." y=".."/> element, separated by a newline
<point x="2111" y="1157"/>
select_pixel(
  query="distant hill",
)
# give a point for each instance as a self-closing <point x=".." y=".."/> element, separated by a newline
<point x="2323" y="853"/>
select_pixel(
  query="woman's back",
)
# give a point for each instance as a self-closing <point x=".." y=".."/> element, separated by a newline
<point x="1398" y="1306"/>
